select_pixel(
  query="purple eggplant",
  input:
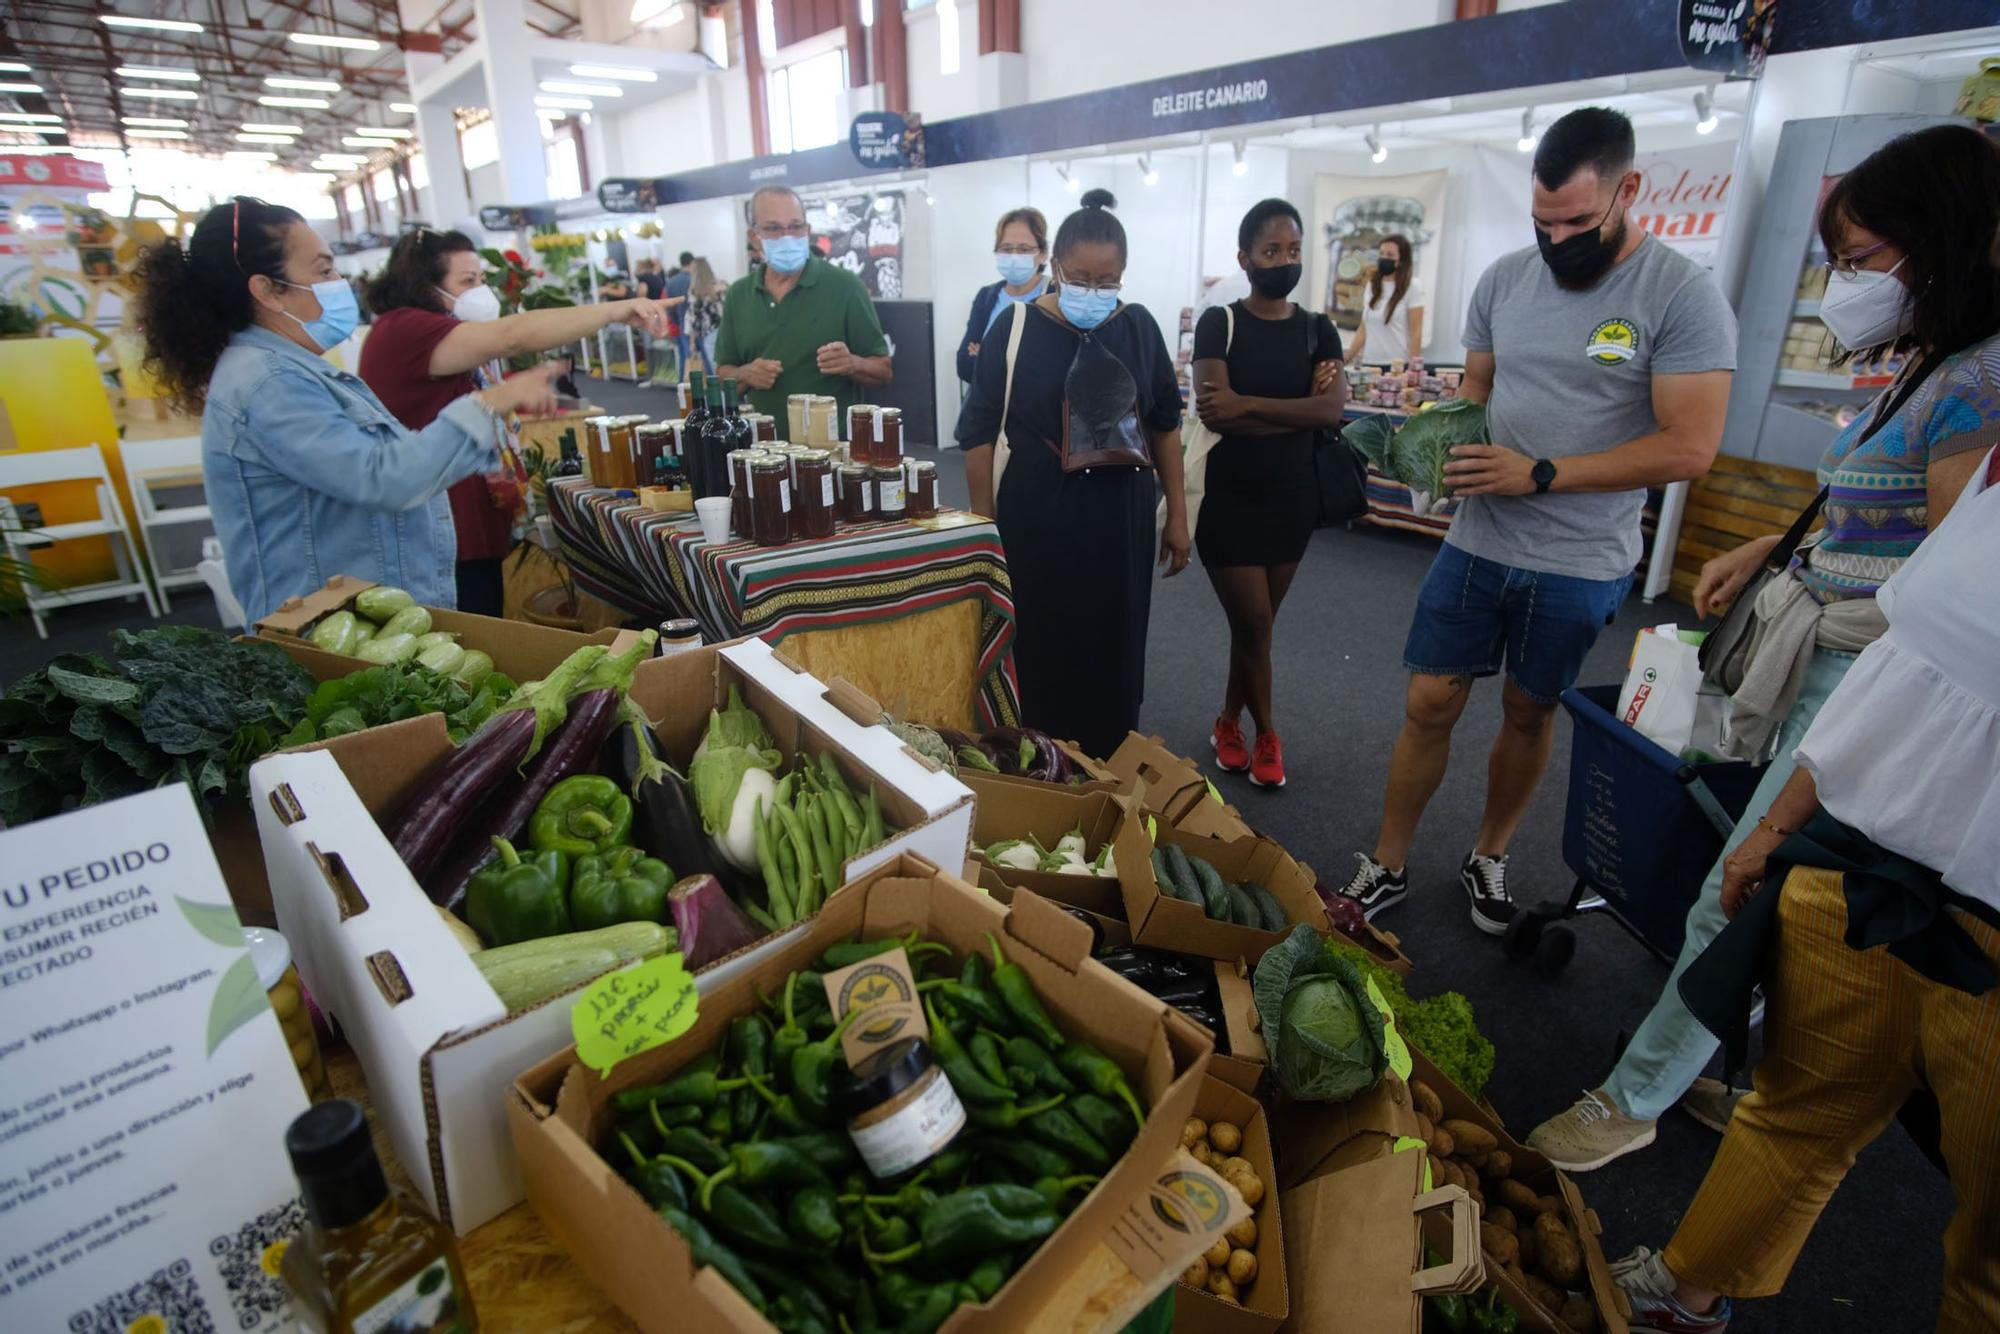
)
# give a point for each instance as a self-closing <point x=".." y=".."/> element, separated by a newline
<point x="1027" y="752"/>
<point x="463" y="780"/>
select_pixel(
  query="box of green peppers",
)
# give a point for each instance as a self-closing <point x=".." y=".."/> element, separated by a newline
<point x="711" y="1183"/>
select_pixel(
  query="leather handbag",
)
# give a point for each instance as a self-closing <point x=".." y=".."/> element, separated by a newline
<point x="1339" y="471"/>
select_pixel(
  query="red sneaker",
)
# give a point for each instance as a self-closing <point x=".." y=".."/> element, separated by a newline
<point x="1267" y="765"/>
<point x="1231" y="755"/>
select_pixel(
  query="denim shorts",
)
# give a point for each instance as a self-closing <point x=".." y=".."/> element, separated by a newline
<point x="1475" y="616"/>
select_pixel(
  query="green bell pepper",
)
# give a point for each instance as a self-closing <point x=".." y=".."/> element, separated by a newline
<point x="623" y="885"/>
<point x="517" y="899"/>
<point x="1444" y="1313"/>
<point x="581" y="815"/>
<point x="1487" y="1315"/>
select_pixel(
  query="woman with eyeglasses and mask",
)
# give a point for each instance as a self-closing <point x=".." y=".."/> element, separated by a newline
<point x="1392" y="315"/>
<point x="1909" y="233"/>
<point x="308" y="475"/>
<point x="438" y="336"/>
<point x="1021" y="253"/>
<point x="1070" y="432"/>
<point x="1266" y="378"/>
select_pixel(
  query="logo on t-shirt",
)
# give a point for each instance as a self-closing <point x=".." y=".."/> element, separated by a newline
<point x="1612" y="342"/>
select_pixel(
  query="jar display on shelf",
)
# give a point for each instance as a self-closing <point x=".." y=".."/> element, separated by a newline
<point x="856" y="493"/>
<point x="770" y="493"/>
<point x="822" y="422"/>
<point x="766" y="426"/>
<point x="635" y="449"/>
<point x="812" y="493"/>
<point x="740" y="488"/>
<point x="888" y="493"/>
<point x="796" y="408"/>
<point x="888" y="437"/>
<point x="920" y="481"/>
<point x="659" y="449"/>
<point x="861" y="432"/>
<point x="603" y="451"/>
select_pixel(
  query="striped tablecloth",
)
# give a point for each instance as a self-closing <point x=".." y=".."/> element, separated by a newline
<point x="657" y="565"/>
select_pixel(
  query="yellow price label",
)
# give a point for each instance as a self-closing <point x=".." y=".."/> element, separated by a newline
<point x="637" y="1009"/>
<point x="1392" y="1041"/>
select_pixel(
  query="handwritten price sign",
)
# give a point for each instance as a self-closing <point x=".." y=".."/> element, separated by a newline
<point x="624" y="1013"/>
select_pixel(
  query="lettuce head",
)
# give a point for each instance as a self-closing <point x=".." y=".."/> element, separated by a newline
<point x="1325" y="1035"/>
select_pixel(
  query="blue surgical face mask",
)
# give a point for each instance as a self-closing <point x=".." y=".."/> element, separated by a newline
<point x="786" y="254"/>
<point x="1016" y="269"/>
<point x="1085" y="307"/>
<point x="339" y="312"/>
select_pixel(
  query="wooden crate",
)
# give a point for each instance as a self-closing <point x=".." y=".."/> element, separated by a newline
<point x="1739" y="499"/>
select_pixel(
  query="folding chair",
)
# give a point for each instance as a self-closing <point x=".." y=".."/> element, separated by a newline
<point x="83" y="464"/>
<point x="166" y="464"/>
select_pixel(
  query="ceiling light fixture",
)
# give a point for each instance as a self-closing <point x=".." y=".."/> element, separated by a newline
<point x="156" y="134"/>
<point x="31" y="117"/>
<point x="372" y="132"/>
<point x="1705" y="119"/>
<point x="164" y="94"/>
<point x="567" y="103"/>
<point x="20" y="88"/>
<point x="299" y="103"/>
<point x="1242" y="164"/>
<point x="582" y="89"/>
<point x="33" y="129"/>
<point x="249" y="155"/>
<point x="623" y="72"/>
<point x="307" y="85"/>
<point x="155" y="72"/>
<point x="1376" y="153"/>
<point x="344" y="43"/>
<point x="265" y="139"/>
<point x="1529" y="137"/>
<point x="157" y="122"/>
<point x="270" y="127"/>
<point x="356" y="141"/>
<point x="405" y="108"/>
<point x="1146" y="172"/>
<point x="12" y="67"/>
<point x="1069" y="182"/>
<point x="162" y="25"/>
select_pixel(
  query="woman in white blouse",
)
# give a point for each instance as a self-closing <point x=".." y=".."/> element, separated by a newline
<point x="1883" y="965"/>
<point x="1392" y="314"/>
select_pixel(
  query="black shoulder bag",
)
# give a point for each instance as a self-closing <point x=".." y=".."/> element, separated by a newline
<point x="1339" y="470"/>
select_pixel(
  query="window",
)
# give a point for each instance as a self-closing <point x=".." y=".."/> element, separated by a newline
<point x="804" y="100"/>
<point x="384" y="186"/>
<point x="478" y="145"/>
<point x="357" y="207"/>
<point x="565" y="176"/>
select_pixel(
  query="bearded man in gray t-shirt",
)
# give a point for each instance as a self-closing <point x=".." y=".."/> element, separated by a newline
<point x="1604" y="360"/>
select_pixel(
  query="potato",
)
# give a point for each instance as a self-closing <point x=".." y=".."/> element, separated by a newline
<point x="1546" y="1294"/>
<point x="1438" y="1175"/>
<point x="1519" y="1198"/>
<point x="1249" y="1185"/>
<point x="1478" y="1195"/>
<point x="1499" y="1243"/>
<point x="1224" y="1137"/>
<point x="1441" y="1142"/>
<point x="1427" y="1100"/>
<point x="1531" y="1254"/>
<point x="1202" y="1154"/>
<point x="1222" y="1285"/>
<point x="1242" y="1267"/>
<point x="1196" y="1274"/>
<point x="1557" y="1248"/>
<point x="1194" y="1132"/>
<point x="1244" y="1234"/>
<point x="1217" y="1255"/>
<point x="1548" y="1204"/>
<point x="1515" y="1272"/>
<point x="1425" y="1127"/>
<point x="1470" y="1138"/>
<point x="1579" y="1315"/>
<point x="1231" y="1165"/>
<point x="1497" y="1165"/>
<point x="1502" y="1217"/>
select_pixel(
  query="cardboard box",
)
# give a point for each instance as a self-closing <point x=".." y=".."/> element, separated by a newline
<point x="559" y="1111"/>
<point x="1354" y="1247"/>
<point x="1318" y="1138"/>
<point x="1097" y="778"/>
<point x="1265" y="1306"/>
<point x="1247" y="1059"/>
<point x="436" y="1045"/>
<point x="1209" y="816"/>
<point x="1019" y="810"/>
<point x="1106" y="931"/>
<point x="1165" y="922"/>
<point x="521" y="649"/>
<point x="1157" y="779"/>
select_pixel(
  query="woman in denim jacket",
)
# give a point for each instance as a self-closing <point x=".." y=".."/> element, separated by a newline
<point x="308" y="475"/>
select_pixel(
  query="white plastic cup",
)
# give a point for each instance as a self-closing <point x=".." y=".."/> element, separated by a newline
<point x="713" y="511"/>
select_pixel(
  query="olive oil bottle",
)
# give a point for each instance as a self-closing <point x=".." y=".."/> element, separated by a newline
<point x="368" y="1260"/>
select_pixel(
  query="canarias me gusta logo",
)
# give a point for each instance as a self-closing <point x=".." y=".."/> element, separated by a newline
<point x="1613" y="342"/>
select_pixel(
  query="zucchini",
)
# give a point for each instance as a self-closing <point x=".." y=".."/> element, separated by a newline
<point x="386" y="648"/>
<point x="1184" y="881"/>
<point x="379" y="603"/>
<point x="427" y="642"/>
<point x="337" y="633"/>
<point x="1214" y="897"/>
<point x="1267" y="904"/>
<point x="1243" y="909"/>
<point x="411" y="621"/>
<point x="526" y="974"/>
<point x="444" y="659"/>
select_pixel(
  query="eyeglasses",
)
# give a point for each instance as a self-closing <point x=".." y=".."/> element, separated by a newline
<point x="1019" y="250"/>
<point x="771" y="231"/>
<point x="1108" y="289"/>
<point x="1850" y="264"/>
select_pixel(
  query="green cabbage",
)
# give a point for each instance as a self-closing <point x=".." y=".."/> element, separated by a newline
<point x="1371" y="437"/>
<point x="1325" y="1035"/>
<point x="1423" y="445"/>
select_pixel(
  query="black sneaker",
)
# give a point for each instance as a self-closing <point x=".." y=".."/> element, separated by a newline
<point x="1374" y="886"/>
<point x="1485" y="881"/>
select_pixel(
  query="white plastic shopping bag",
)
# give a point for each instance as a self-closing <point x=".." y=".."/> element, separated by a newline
<point x="1660" y="688"/>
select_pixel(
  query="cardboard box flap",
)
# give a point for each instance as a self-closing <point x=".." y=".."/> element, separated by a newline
<point x="1049" y="931"/>
<point x="1155" y="776"/>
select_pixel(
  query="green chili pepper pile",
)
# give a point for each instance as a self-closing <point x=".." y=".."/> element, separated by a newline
<point x="744" y="1151"/>
<point x="807" y="835"/>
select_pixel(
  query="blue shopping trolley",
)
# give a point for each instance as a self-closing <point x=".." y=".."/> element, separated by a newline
<point x="1641" y="827"/>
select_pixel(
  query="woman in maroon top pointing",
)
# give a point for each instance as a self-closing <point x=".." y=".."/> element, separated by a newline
<point x="437" y="323"/>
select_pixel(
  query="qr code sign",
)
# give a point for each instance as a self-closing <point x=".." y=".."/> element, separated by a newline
<point x="166" y="1303"/>
<point x="248" y="1260"/>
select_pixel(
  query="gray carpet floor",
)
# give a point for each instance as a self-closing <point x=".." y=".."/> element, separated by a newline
<point x="1871" y="1266"/>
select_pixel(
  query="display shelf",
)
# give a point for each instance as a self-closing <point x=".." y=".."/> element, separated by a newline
<point x="1833" y="381"/>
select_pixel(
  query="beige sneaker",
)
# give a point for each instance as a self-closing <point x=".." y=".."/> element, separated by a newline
<point x="1590" y="1134"/>
<point x="1711" y="1102"/>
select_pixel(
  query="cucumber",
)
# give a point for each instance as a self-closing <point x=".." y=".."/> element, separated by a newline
<point x="1242" y="908"/>
<point x="443" y="659"/>
<point x="1268" y="905"/>
<point x="378" y="604"/>
<point x="474" y="669"/>
<point x="386" y="648"/>
<point x="338" y="633"/>
<point x="427" y="642"/>
<point x="526" y="974"/>
<point x="1186" y="885"/>
<point x="1214" y="897"/>
<point x="1163" y="873"/>
<point x="411" y="621"/>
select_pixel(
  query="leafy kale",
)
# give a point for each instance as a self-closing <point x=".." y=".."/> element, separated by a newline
<point x="174" y="704"/>
<point x="1440" y="1026"/>
<point x="378" y="695"/>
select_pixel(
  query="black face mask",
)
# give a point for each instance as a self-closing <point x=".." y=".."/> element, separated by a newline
<point x="1385" y="266"/>
<point x="1579" y="261"/>
<point x="1277" y="281"/>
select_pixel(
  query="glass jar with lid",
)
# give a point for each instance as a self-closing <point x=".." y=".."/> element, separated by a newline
<point x="657" y="445"/>
<point x="920" y="480"/>
<point x="812" y="493"/>
<point x="796" y="408"/>
<point x="741" y="488"/>
<point x="889" y="492"/>
<point x="822" y="425"/>
<point x="766" y="427"/>
<point x="637" y="467"/>
<point x="861" y="432"/>
<point x="856" y="493"/>
<point x="888" y="437"/>
<point x="770" y="500"/>
<point x="604" y="451"/>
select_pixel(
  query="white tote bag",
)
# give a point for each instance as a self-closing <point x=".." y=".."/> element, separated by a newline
<point x="1658" y="697"/>
<point x="1196" y="443"/>
<point x="1016" y="321"/>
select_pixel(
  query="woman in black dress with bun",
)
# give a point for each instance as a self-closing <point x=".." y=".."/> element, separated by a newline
<point x="1264" y="386"/>
<point x="1087" y="369"/>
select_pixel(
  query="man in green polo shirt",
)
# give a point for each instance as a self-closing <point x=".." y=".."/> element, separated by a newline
<point x="797" y="324"/>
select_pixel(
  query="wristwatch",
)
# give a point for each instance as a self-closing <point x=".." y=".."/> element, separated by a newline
<point x="1544" y="474"/>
